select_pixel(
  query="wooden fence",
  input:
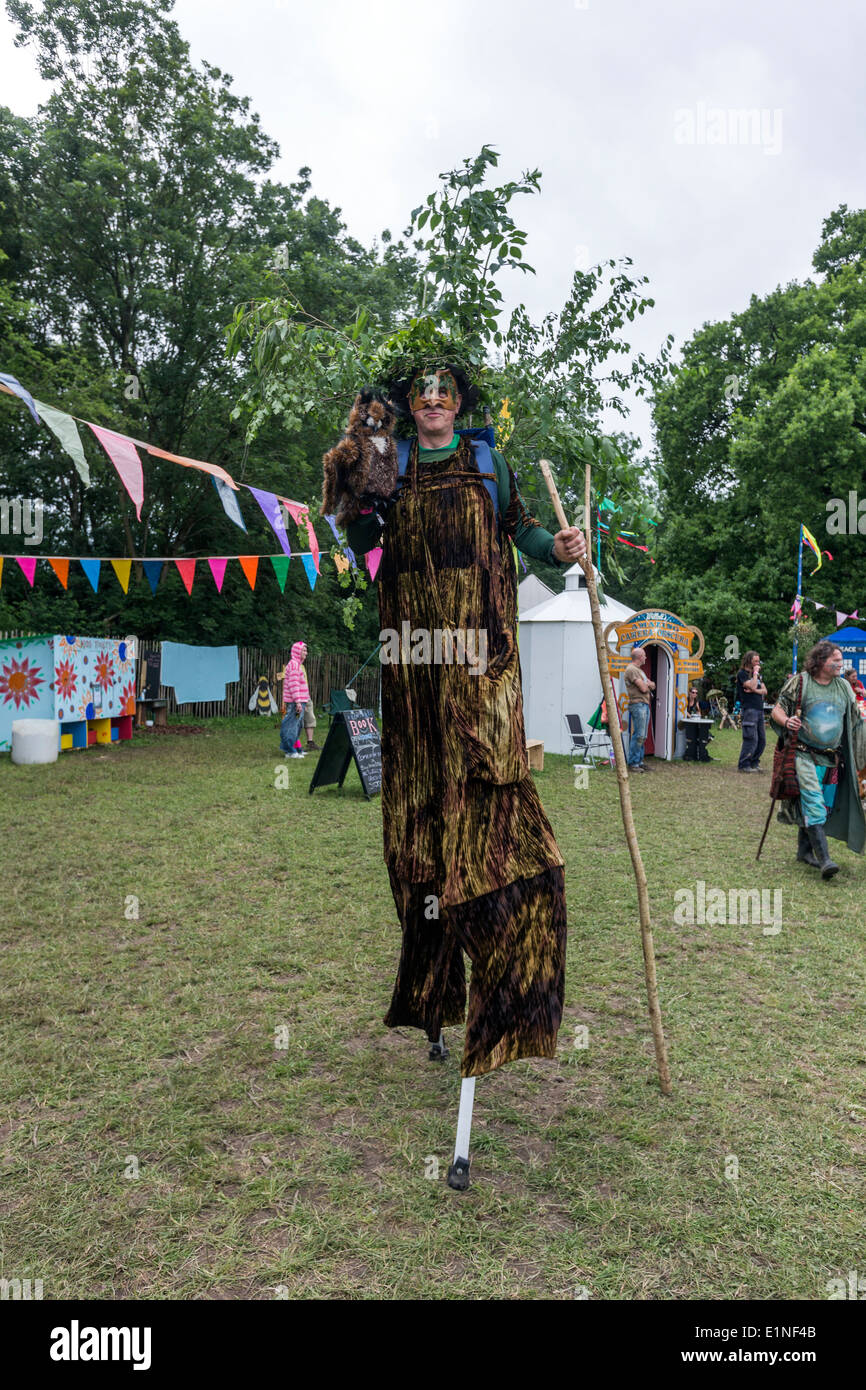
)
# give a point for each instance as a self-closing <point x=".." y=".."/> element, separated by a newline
<point x="325" y="673"/>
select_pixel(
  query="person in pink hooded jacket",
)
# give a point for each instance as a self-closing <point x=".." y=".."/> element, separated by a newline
<point x="295" y="696"/>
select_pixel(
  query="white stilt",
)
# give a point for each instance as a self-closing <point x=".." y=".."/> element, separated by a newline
<point x="458" y="1173"/>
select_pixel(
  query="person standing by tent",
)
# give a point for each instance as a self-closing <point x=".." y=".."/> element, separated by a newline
<point x="751" y="693"/>
<point x="831" y="745"/>
<point x="638" y="686"/>
<point x="472" y="859"/>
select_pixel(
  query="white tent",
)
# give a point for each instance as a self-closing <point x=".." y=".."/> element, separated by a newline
<point x="558" y="661"/>
<point x="531" y="591"/>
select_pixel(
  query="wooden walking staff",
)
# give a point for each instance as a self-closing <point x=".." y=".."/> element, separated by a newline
<point x="646" y="930"/>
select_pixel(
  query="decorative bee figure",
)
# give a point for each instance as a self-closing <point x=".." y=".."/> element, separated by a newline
<point x="262" y="701"/>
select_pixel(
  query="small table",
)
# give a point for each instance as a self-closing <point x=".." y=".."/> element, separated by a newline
<point x="697" y="732"/>
<point x="159" y="709"/>
<point x="535" y="750"/>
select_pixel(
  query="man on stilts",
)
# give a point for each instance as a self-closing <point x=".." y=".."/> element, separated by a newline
<point x="473" y="863"/>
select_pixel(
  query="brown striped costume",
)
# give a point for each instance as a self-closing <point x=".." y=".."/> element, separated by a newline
<point x="465" y="834"/>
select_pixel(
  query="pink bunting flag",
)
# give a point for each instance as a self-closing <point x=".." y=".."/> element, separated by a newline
<point x="840" y="618"/>
<point x="314" y="543"/>
<point x="218" y="570"/>
<point x="27" y="564"/>
<point x="123" y="455"/>
<point x="373" y="557"/>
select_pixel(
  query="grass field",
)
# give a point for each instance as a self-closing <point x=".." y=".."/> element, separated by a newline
<point x="157" y="1142"/>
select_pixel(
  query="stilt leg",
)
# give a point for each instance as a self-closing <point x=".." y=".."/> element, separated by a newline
<point x="458" y="1173"/>
<point x="438" y="1051"/>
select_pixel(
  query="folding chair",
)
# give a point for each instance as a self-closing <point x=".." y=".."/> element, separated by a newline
<point x="591" y="748"/>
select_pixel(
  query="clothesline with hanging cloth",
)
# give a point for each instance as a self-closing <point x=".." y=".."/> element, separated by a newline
<point x="122" y="450"/>
<point x="153" y="567"/>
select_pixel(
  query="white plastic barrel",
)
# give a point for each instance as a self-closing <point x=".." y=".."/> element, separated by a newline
<point x="35" y="740"/>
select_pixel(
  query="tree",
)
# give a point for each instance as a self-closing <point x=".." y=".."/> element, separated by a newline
<point x="761" y="427"/>
<point x="134" y="214"/>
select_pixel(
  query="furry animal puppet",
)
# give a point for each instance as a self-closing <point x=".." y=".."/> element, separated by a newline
<point x="362" y="469"/>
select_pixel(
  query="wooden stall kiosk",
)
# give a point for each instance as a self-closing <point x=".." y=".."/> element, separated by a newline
<point x="667" y="640"/>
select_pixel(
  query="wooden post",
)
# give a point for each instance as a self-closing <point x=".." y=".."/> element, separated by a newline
<point x="622" y="778"/>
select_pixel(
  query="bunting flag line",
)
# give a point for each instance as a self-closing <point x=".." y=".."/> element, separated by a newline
<point x="800" y="599"/>
<point x="152" y="568"/>
<point x="122" y="451"/>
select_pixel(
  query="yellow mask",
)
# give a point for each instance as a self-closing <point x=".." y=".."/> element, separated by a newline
<point x="433" y="388"/>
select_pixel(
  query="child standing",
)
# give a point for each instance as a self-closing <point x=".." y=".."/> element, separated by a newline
<point x="295" y="696"/>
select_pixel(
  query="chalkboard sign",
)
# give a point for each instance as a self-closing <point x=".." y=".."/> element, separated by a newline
<point x="151" y="676"/>
<point x="353" y="734"/>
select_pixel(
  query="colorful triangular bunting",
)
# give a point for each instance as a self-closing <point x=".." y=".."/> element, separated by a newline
<point x="250" y="567"/>
<point x="373" y="557"/>
<point x="186" y="569"/>
<point x="27" y="565"/>
<point x="121" y="569"/>
<point x="218" y="570"/>
<point x="281" y="570"/>
<point x="91" y="569"/>
<point x="124" y="456"/>
<point x="61" y="569"/>
<point x="64" y="428"/>
<point x="229" y="499"/>
<point x="312" y="572"/>
<point x="152" y="571"/>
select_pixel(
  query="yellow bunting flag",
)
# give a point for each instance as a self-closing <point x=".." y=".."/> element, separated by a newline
<point x="250" y="567"/>
<point x="342" y="563"/>
<point x="61" y="569"/>
<point x="121" y="569"/>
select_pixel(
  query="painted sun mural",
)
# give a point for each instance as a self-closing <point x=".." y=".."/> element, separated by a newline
<point x="20" y="682"/>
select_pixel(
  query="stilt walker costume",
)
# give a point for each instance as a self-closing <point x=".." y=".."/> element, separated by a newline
<point x="473" y="862"/>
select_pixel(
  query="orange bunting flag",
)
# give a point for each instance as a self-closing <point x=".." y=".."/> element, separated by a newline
<point x="61" y="569"/>
<point x="250" y="567"/>
<point x="121" y="569"/>
<point x="187" y="573"/>
<point x="342" y="563"/>
<point x="2" y="557"/>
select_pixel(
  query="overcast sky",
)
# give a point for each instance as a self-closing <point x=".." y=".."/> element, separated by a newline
<point x="623" y="105"/>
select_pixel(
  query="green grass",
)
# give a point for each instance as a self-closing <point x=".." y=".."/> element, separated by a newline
<point x="259" y="1167"/>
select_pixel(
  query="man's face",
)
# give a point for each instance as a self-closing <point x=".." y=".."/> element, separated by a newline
<point x="833" y="665"/>
<point x="433" y="398"/>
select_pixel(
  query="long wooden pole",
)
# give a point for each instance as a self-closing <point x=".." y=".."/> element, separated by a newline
<point x="646" y="930"/>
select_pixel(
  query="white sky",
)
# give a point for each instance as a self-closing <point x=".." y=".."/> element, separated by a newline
<point x="379" y="96"/>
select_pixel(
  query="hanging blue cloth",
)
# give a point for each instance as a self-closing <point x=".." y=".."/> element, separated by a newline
<point x="198" y="674"/>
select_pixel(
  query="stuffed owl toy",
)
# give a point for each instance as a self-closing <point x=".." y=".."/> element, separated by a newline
<point x="362" y="469"/>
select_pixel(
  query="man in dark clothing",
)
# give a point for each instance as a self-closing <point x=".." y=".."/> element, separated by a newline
<point x="751" y="693"/>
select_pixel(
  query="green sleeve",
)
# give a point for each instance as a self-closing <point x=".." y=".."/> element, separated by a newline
<point x="524" y="530"/>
